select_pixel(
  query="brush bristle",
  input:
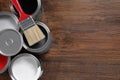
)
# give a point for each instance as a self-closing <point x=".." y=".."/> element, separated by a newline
<point x="34" y="35"/>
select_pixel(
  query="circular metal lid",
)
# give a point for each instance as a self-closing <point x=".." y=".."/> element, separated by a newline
<point x="10" y="42"/>
<point x="25" y="67"/>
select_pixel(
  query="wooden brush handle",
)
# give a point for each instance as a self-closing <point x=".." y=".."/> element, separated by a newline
<point x="22" y="14"/>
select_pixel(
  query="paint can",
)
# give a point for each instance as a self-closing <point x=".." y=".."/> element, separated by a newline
<point x="32" y="7"/>
<point x="25" y="67"/>
<point x="42" y="46"/>
<point x="4" y="63"/>
<point x="11" y="40"/>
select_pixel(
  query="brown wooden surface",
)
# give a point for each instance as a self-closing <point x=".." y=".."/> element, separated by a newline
<point x="86" y="40"/>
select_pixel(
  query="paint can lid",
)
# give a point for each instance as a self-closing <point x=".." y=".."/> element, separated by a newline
<point x="10" y="42"/>
<point x="25" y="67"/>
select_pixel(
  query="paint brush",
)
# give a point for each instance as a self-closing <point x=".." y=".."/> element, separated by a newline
<point x="30" y="29"/>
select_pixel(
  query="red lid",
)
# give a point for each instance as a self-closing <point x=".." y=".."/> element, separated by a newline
<point x="3" y="62"/>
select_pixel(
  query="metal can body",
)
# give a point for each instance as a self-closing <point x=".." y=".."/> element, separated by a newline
<point x="42" y="46"/>
<point x="25" y="67"/>
<point x="34" y="8"/>
<point x="11" y="40"/>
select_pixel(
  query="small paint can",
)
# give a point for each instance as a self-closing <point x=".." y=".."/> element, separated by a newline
<point x="4" y="63"/>
<point x="25" y="67"/>
<point x="42" y="46"/>
<point x="11" y="40"/>
<point x="32" y="7"/>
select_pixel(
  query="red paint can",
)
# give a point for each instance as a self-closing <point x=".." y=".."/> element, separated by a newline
<point x="4" y="63"/>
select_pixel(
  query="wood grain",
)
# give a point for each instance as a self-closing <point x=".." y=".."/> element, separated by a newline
<point x="86" y="40"/>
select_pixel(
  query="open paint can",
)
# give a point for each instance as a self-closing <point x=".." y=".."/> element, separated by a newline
<point x="4" y="63"/>
<point x="42" y="46"/>
<point x="25" y="67"/>
<point x="32" y="7"/>
<point x="11" y="40"/>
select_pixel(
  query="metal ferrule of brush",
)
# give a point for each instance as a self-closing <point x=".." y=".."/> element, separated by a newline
<point x="27" y="23"/>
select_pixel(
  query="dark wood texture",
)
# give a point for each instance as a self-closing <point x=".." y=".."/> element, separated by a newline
<point x="86" y="40"/>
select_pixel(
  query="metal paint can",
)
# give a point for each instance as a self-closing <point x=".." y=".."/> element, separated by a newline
<point x="32" y="7"/>
<point x="25" y="67"/>
<point x="4" y="63"/>
<point x="11" y="40"/>
<point x="42" y="46"/>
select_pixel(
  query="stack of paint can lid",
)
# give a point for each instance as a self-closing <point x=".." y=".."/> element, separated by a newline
<point x="22" y="29"/>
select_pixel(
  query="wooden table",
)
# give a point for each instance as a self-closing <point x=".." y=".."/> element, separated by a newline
<point x="86" y="40"/>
